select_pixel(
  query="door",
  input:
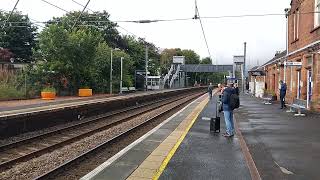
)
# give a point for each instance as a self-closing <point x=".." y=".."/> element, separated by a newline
<point x="298" y="85"/>
<point x="309" y="87"/>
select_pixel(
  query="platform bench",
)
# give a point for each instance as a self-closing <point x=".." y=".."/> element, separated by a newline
<point x="125" y="89"/>
<point x="267" y="99"/>
<point x="298" y="104"/>
<point x="132" y="89"/>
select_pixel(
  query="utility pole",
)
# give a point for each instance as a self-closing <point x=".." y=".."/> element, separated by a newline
<point x="146" y="68"/>
<point x="121" y="65"/>
<point x="111" y="72"/>
<point x="244" y="66"/>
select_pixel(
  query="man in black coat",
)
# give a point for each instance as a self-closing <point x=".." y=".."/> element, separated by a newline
<point x="283" y="90"/>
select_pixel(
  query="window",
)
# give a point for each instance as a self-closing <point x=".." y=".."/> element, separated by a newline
<point x="309" y="61"/>
<point x="296" y="24"/>
<point x="316" y="14"/>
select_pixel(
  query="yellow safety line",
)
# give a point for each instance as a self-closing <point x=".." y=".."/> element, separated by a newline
<point x="175" y="147"/>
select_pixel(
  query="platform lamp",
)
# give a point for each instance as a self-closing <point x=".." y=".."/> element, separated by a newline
<point x="116" y="49"/>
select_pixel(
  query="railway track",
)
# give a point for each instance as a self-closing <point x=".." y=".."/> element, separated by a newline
<point x="53" y="173"/>
<point x="31" y="147"/>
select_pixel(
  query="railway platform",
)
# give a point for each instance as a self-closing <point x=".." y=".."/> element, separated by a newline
<point x="21" y="117"/>
<point x="182" y="147"/>
<point x="269" y="144"/>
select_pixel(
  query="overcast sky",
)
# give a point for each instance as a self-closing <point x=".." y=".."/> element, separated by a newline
<point x="264" y="35"/>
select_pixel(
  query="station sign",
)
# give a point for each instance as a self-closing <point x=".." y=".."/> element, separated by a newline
<point x="178" y="59"/>
<point x="238" y="59"/>
<point x="293" y="63"/>
<point x="257" y="73"/>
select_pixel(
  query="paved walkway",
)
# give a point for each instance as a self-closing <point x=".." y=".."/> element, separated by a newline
<point x="205" y="155"/>
<point x="282" y="146"/>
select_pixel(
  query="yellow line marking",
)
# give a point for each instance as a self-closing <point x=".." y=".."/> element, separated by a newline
<point x="165" y="162"/>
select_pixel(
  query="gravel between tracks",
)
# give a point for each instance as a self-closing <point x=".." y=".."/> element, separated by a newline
<point x="41" y="164"/>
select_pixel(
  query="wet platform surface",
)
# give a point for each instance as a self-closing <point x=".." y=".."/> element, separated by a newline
<point x="282" y="146"/>
<point x="205" y="155"/>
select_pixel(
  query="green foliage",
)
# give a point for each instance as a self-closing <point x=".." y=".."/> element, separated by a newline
<point x="48" y="89"/>
<point x="206" y="60"/>
<point x="136" y="49"/>
<point x="166" y="57"/>
<point x="9" y="89"/>
<point x="18" y="37"/>
<point x="96" y="21"/>
<point x="67" y="56"/>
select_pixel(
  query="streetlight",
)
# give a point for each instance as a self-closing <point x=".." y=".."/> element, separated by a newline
<point x="121" y="64"/>
<point x="116" y="49"/>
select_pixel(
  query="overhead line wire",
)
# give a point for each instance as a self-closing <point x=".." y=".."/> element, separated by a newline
<point x="10" y="14"/>
<point x="204" y="35"/>
<point x="183" y="19"/>
<point x="55" y="6"/>
<point x="104" y="21"/>
<point x="84" y="8"/>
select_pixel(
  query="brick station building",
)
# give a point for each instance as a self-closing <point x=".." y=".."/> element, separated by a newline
<point x="303" y="81"/>
<point x="300" y="66"/>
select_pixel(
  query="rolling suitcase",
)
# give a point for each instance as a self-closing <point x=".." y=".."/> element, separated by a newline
<point x="215" y="122"/>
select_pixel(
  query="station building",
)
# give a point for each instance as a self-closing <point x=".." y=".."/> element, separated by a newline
<point x="299" y="66"/>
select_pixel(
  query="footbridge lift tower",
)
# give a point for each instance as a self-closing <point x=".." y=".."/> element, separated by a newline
<point x="175" y="77"/>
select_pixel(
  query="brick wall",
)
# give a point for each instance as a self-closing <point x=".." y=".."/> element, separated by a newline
<point x="307" y="33"/>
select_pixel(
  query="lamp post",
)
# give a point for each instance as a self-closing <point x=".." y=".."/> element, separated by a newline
<point x="121" y="64"/>
<point x="286" y="10"/>
<point x="111" y="68"/>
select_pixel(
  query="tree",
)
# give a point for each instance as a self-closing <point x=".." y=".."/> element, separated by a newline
<point x="96" y="21"/>
<point x="18" y="35"/>
<point x="70" y="54"/>
<point x="206" y="60"/>
<point x="136" y="49"/>
<point x="5" y="54"/>
<point x="102" y="68"/>
<point x="191" y="57"/>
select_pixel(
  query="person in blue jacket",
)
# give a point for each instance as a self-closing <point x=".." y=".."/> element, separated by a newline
<point x="227" y="111"/>
<point x="283" y="91"/>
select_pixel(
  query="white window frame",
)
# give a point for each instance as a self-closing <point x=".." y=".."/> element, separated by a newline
<point x="316" y="15"/>
<point x="294" y="26"/>
<point x="296" y="20"/>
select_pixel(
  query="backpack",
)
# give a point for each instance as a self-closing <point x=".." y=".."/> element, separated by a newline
<point x="234" y="101"/>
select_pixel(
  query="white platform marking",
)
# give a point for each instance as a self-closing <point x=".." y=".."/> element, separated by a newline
<point x="284" y="170"/>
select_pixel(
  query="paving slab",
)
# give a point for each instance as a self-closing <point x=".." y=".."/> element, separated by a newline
<point x="139" y="154"/>
<point x="205" y="155"/>
<point x="282" y="146"/>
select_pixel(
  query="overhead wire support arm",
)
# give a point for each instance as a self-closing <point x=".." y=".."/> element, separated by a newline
<point x="197" y="16"/>
<point x="84" y="8"/>
<point x="4" y="24"/>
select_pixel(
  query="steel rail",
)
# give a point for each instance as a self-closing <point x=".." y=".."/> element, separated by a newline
<point x="113" y="139"/>
<point x="7" y="164"/>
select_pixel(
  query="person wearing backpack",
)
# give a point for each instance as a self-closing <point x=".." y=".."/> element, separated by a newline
<point x="210" y="89"/>
<point x="230" y="101"/>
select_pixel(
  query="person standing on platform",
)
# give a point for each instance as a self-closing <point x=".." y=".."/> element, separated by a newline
<point x="236" y="88"/>
<point x="227" y="110"/>
<point x="210" y="89"/>
<point x="283" y="91"/>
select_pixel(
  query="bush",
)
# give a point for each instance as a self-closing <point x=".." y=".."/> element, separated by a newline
<point x="48" y="89"/>
<point x="9" y="91"/>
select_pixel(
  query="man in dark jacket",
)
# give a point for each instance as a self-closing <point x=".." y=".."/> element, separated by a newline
<point x="227" y="111"/>
<point x="210" y="89"/>
<point x="283" y="90"/>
